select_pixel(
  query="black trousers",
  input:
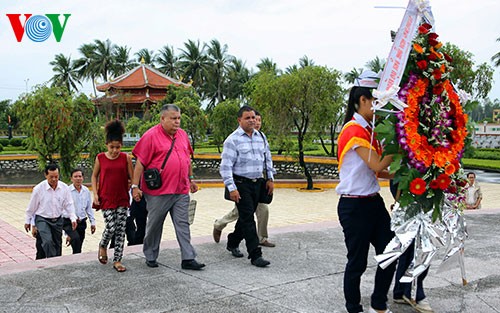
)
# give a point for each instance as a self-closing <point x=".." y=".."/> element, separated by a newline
<point x="77" y="236"/>
<point x="139" y="215"/>
<point x="365" y="221"/>
<point x="245" y="225"/>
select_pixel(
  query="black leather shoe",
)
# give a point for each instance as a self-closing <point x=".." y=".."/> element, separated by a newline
<point x="235" y="252"/>
<point x="192" y="265"/>
<point x="260" y="262"/>
<point x="151" y="263"/>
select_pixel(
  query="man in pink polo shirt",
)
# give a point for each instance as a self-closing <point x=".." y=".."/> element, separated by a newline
<point x="173" y="195"/>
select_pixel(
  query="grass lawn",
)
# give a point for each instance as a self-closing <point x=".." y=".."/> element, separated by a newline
<point x="482" y="164"/>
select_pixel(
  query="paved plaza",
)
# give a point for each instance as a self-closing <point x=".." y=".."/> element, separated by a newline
<point x="305" y="274"/>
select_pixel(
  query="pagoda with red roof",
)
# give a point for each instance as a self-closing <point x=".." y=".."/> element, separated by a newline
<point x="132" y="93"/>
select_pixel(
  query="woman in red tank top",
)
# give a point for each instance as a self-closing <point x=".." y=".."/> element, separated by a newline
<point x="110" y="184"/>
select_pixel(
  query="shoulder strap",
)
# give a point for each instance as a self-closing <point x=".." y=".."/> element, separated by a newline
<point x="168" y="155"/>
<point x="265" y="159"/>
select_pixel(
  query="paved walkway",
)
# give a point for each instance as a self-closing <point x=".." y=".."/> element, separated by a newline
<point x="305" y="274"/>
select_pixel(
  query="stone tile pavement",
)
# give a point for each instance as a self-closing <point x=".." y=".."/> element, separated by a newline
<point x="290" y="208"/>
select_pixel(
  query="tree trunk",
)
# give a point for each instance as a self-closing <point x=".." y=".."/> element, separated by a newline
<point x="303" y="163"/>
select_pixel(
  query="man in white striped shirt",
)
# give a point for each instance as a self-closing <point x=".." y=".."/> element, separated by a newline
<point x="241" y="167"/>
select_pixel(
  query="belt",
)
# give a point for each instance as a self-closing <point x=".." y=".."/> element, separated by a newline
<point x="245" y="180"/>
<point x="53" y="220"/>
<point x="360" y="196"/>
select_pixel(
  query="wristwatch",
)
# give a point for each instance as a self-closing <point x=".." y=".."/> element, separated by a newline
<point x="134" y="186"/>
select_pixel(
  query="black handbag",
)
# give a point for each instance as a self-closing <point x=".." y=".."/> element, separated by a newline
<point x="264" y="196"/>
<point x="152" y="176"/>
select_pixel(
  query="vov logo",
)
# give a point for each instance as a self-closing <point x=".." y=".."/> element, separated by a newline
<point x="38" y="27"/>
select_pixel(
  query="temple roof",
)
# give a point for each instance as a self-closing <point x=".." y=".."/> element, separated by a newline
<point x="140" y="77"/>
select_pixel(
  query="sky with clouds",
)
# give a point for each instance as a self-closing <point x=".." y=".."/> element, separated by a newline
<point x="340" y="34"/>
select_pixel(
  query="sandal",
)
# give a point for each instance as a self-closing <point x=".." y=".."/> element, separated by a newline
<point x="119" y="267"/>
<point x="102" y="255"/>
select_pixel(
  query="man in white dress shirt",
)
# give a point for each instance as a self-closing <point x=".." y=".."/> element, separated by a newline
<point x="83" y="210"/>
<point x="50" y="200"/>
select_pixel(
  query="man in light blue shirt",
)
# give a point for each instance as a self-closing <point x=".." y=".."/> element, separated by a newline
<point x="83" y="210"/>
<point x="243" y="157"/>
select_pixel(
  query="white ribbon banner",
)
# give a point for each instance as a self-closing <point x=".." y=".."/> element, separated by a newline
<point x="398" y="56"/>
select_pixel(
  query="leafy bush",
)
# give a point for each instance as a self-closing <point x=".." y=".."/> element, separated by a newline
<point x="487" y="154"/>
<point x="4" y="141"/>
<point x="1" y="147"/>
<point x="16" y="142"/>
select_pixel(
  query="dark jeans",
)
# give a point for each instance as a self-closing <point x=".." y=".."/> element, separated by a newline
<point x="50" y="234"/>
<point x="245" y="225"/>
<point x="138" y="215"/>
<point x="404" y="289"/>
<point x="77" y="236"/>
<point x="365" y="221"/>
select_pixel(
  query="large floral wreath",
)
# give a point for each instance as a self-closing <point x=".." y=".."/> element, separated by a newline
<point x="427" y="137"/>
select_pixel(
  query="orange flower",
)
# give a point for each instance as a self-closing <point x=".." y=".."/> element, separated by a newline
<point x="449" y="169"/>
<point x="417" y="186"/>
<point x="438" y="45"/>
<point x="418" y="48"/>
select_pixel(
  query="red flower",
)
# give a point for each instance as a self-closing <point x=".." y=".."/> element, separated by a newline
<point x="432" y="57"/>
<point x="452" y="189"/>
<point x="422" y="64"/>
<point x="424" y="28"/>
<point x="462" y="182"/>
<point x="448" y="57"/>
<point x="437" y="89"/>
<point x="434" y="184"/>
<point x="443" y="181"/>
<point x="433" y="36"/>
<point x="437" y="74"/>
<point x="417" y="186"/>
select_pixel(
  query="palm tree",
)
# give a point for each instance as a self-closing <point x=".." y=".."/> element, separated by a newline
<point x="167" y="61"/>
<point x="305" y="61"/>
<point x="376" y="64"/>
<point x="352" y="75"/>
<point x="216" y="75"/>
<point x="496" y="58"/>
<point x="238" y="75"/>
<point x="122" y="62"/>
<point x="66" y="73"/>
<point x="148" y="56"/>
<point x="84" y="65"/>
<point x="193" y="63"/>
<point x="267" y="64"/>
<point x="102" y="59"/>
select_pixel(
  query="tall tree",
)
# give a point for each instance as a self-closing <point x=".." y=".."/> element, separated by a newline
<point x="56" y="123"/>
<point x="376" y="64"/>
<point x="216" y="75"/>
<point x="167" y="61"/>
<point x="238" y="75"/>
<point x="193" y="62"/>
<point x="66" y="74"/>
<point x="85" y="66"/>
<point x="121" y="61"/>
<point x="148" y="56"/>
<point x="303" y="99"/>
<point x="102" y="58"/>
<point x="351" y="76"/>
<point x="496" y="58"/>
<point x="268" y="65"/>
<point x="223" y="121"/>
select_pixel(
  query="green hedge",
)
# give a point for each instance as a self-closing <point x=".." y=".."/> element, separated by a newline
<point x="484" y="164"/>
<point x="487" y="154"/>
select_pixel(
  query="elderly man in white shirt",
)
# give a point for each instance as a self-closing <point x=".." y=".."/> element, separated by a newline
<point x="50" y="200"/>
<point x="83" y="210"/>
